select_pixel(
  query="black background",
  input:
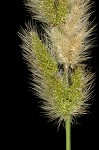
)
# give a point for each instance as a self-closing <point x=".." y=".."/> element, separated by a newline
<point x="22" y="125"/>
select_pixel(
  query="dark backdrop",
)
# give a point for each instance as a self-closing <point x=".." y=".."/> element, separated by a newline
<point x="22" y="125"/>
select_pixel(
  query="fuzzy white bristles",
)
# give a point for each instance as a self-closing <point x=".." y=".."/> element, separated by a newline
<point x="66" y="90"/>
<point x="71" y="40"/>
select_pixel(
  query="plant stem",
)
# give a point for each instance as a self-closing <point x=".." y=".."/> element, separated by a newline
<point x="68" y="133"/>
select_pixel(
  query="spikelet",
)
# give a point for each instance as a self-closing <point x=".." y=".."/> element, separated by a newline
<point x="71" y="40"/>
<point x="63" y="94"/>
<point x="53" y="12"/>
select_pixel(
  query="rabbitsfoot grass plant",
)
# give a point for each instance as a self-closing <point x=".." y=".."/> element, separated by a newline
<point x="56" y="63"/>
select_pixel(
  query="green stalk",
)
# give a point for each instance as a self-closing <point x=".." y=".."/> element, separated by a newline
<point x="68" y="133"/>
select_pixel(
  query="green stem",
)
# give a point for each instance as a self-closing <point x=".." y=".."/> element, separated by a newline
<point x="68" y="133"/>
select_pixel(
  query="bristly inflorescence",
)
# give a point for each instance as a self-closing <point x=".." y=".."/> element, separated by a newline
<point x="59" y="78"/>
